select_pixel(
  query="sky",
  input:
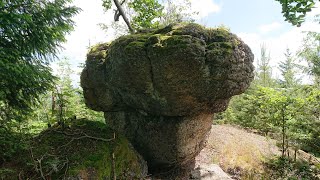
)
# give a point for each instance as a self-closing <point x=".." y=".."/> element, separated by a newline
<point x="256" y="22"/>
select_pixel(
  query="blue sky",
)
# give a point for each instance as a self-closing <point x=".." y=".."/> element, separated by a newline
<point x="246" y="15"/>
<point x="254" y="21"/>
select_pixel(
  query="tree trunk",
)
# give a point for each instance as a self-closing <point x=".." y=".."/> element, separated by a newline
<point x="113" y="159"/>
<point x="116" y="2"/>
<point x="287" y="146"/>
<point x="114" y="167"/>
<point x="53" y="102"/>
<point x="283" y="132"/>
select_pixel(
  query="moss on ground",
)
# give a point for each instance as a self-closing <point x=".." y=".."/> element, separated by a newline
<point x="82" y="149"/>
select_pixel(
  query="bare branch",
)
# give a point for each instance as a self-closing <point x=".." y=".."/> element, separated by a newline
<point x="116" y="13"/>
<point x="121" y="12"/>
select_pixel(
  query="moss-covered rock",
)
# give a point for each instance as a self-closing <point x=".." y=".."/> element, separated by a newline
<point x="83" y="150"/>
<point x="178" y="70"/>
<point x="161" y="87"/>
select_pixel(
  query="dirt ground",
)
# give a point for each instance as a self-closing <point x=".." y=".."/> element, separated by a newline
<point x="231" y="147"/>
<point x="236" y="150"/>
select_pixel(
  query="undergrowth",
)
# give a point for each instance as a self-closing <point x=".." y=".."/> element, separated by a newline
<point x="80" y="147"/>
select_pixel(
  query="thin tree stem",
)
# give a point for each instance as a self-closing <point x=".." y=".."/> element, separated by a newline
<point x="116" y="2"/>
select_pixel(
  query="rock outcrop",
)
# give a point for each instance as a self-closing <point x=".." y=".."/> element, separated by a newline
<point x="161" y="88"/>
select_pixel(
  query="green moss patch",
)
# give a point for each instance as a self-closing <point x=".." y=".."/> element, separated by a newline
<point x="219" y="42"/>
<point x="83" y="149"/>
<point x="98" y="51"/>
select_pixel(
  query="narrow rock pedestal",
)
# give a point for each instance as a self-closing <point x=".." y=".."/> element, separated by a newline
<point x="167" y="143"/>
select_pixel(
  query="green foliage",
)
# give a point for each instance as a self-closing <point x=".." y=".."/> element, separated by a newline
<point x="147" y="11"/>
<point x="289" y="115"/>
<point x="72" y="97"/>
<point x="310" y="121"/>
<point x="176" y="11"/>
<point x="65" y="101"/>
<point x="285" y="168"/>
<point x="288" y="111"/>
<point x="256" y="109"/>
<point x="52" y="154"/>
<point x="11" y="143"/>
<point x="58" y="105"/>
<point x="146" y="14"/>
<point x="295" y="11"/>
<point x="310" y="52"/>
<point x="263" y="72"/>
<point x="30" y="33"/>
<point x="107" y="4"/>
<point x="288" y="71"/>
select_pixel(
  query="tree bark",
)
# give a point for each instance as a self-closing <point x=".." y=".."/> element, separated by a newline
<point x="116" y="2"/>
<point x="283" y="132"/>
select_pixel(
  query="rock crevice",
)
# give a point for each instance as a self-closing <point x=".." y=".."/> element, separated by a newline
<point x="152" y="87"/>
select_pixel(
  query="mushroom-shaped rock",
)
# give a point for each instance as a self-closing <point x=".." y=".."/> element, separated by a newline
<point x="161" y="87"/>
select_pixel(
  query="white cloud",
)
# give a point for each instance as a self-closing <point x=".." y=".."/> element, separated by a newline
<point x="277" y="45"/>
<point x="315" y="11"/>
<point x="199" y="9"/>
<point x="87" y="32"/>
<point x="204" y="7"/>
<point x="266" y="28"/>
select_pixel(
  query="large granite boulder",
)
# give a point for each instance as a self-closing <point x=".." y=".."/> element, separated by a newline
<point x="160" y="88"/>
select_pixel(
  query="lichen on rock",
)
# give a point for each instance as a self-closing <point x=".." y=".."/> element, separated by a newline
<point x="176" y="71"/>
<point x="180" y="74"/>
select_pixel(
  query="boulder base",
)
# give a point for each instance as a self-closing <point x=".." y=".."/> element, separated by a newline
<point x="166" y="142"/>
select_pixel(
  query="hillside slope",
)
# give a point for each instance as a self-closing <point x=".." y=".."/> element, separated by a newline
<point x="238" y="152"/>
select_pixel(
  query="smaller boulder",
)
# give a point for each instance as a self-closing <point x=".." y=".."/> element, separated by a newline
<point x="209" y="172"/>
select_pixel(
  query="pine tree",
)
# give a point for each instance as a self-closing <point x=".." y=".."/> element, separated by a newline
<point x="288" y="71"/>
<point x="31" y="32"/>
<point x="263" y="72"/>
<point x="310" y="52"/>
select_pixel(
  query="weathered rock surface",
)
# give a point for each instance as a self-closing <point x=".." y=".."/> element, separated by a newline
<point x="164" y="141"/>
<point x="176" y="71"/>
<point x="209" y="172"/>
<point x="161" y="88"/>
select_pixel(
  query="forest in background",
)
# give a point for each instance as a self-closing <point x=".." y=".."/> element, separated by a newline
<point x="287" y="108"/>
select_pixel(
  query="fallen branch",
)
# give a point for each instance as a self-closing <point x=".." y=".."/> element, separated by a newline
<point x="40" y="167"/>
<point x="85" y="136"/>
<point x="81" y="137"/>
<point x="67" y="168"/>
<point x="113" y="162"/>
<point x="20" y="178"/>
